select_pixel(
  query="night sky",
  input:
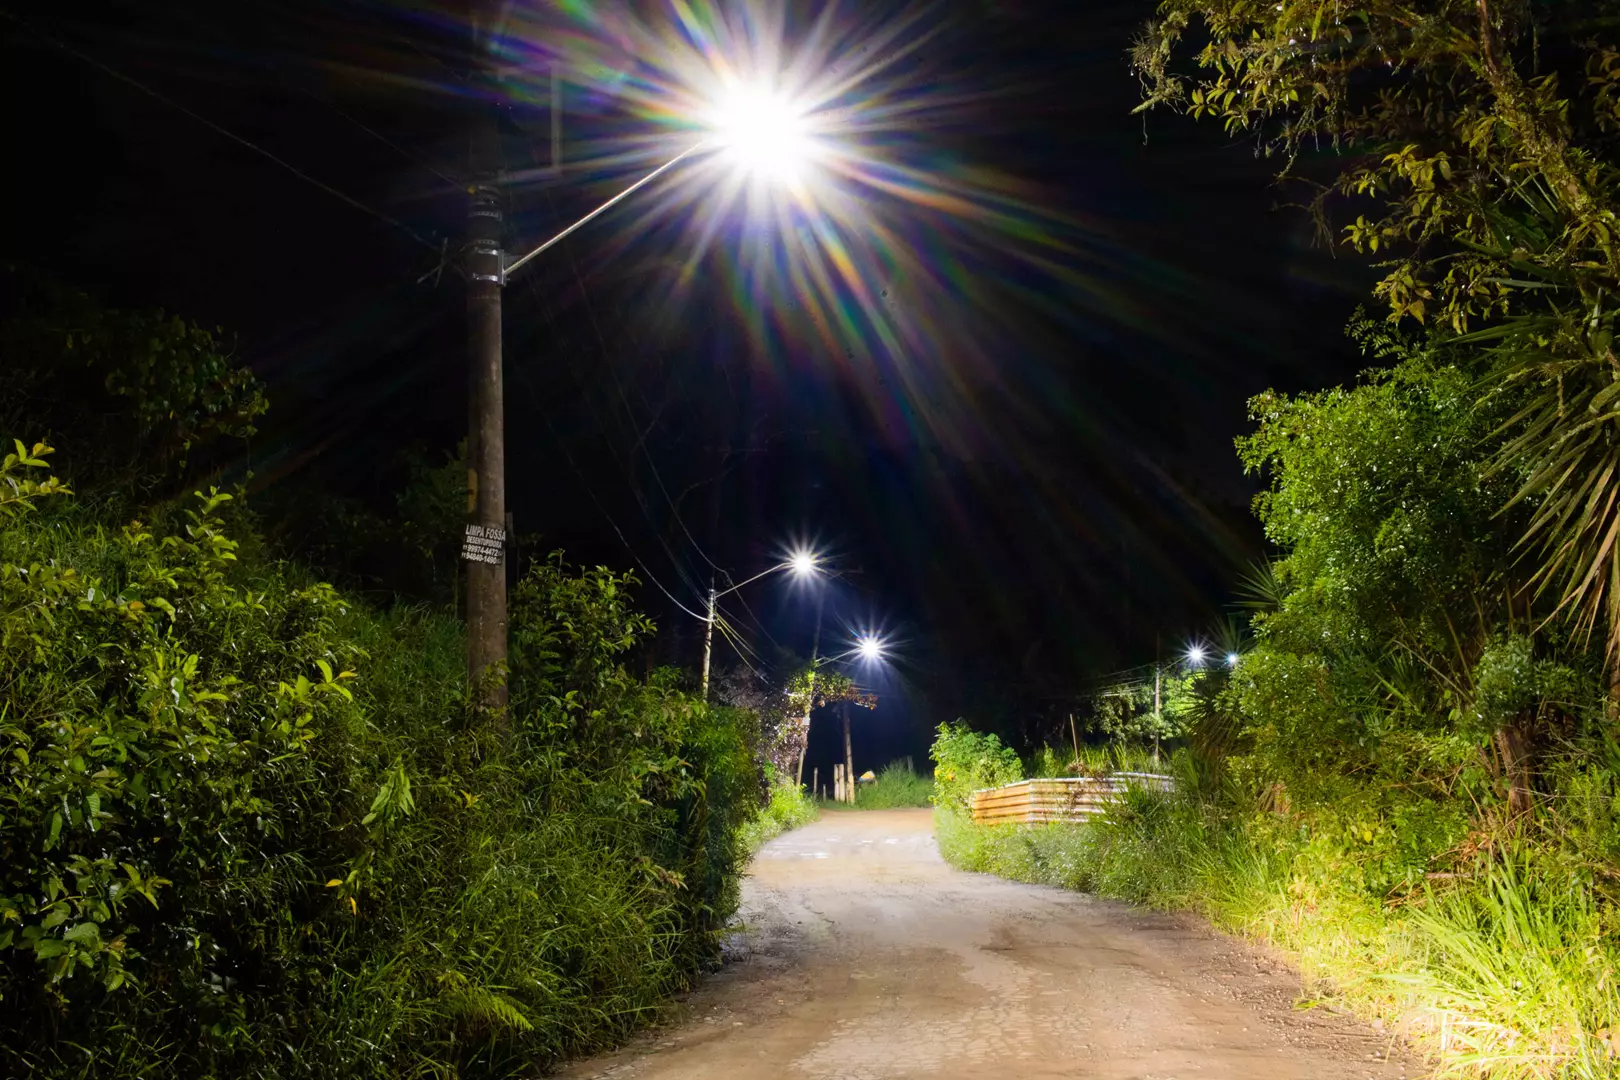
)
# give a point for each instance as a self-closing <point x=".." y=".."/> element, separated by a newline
<point x="1014" y="439"/>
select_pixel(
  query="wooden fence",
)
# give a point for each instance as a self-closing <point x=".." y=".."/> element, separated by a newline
<point x="1035" y="802"/>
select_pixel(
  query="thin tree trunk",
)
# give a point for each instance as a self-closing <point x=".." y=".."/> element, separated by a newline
<point x="1514" y="749"/>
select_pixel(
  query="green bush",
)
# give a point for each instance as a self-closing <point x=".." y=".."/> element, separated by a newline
<point x="249" y="827"/>
<point x="965" y="761"/>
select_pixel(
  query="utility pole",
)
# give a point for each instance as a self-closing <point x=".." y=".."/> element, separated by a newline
<point x="714" y="544"/>
<point x="484" y="549"/>
<point x="708" y="638"/>
<point x="849" y="754"/>
<point x="1158" y="716"/>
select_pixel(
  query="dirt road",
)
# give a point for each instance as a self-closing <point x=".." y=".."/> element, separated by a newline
<point x="865" y="957"/>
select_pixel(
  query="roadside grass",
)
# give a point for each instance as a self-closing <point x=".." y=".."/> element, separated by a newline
<point x="1060" y="761"/>
<point x="789" y="808"/>
<point x="1511" y="971"/>
<point x="898" y="786"/>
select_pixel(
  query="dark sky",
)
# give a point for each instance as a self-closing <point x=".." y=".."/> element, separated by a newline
<point x="1018" y="442"/>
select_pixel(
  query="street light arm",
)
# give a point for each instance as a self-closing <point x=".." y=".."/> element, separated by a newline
<point x="517" y="264"/>
<point x="763" y="573"/>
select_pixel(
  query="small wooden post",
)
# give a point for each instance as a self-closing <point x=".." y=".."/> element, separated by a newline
<point x="815" y="780"/>
<point x="1076" y="737"/>
<point x="838" y="782"/>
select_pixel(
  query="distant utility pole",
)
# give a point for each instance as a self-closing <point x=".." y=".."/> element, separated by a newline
<point x="1158" y="716"/>
<point x="849" y="754"/>
<point x="484" y="547"/>
<point x="708" y="636"/>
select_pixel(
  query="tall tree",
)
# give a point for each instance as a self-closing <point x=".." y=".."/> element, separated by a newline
<point x="1473" y="142"/>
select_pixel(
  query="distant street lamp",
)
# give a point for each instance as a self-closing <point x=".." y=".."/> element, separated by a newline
<point x="802" y="564"/>
<point x="870" y="649"/>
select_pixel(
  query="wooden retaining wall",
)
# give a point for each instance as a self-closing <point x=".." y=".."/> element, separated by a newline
<point x="1035" y="802"/>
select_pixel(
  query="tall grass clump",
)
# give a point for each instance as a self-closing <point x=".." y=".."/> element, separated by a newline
<point x="897" y="786"/>
<point x="788" y="807"/>
<point x="1091" y="760"/>
<point x="250" y="827"/>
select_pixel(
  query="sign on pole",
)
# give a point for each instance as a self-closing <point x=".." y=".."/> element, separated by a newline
<point x="483" y="544"/>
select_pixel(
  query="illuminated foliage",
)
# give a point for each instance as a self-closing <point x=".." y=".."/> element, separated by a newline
<point x="250" y="827"/>
<point x="1475" y="143"/>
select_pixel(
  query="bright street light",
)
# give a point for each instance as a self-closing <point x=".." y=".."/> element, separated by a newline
<point x="870" y="648"/>
<point x="803" y="563"/>
<point x="761" y="131"/>
<point x="1231" y="659"/>
<point x="1196" y="655"/>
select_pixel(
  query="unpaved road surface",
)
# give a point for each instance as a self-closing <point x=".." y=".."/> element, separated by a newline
<point x="865" y="957"/>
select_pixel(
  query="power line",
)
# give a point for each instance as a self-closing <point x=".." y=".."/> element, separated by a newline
<point x="687" y="576"/>
<point x="738" y="645"/>
<point x="569" y="457"/>
<point x="756" y="619"/>
<point x="590" y="311"/>
<point x="221" y="130"/>
<point x="380" y="137"/>
<point x="545" y="310"/>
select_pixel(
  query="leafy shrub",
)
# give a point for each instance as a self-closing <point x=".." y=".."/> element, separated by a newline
<point x="248" y="827"/>
<point x="965" y="761"/>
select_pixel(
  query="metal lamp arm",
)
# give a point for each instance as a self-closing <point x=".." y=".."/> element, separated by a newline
<point x="517" y="264"/>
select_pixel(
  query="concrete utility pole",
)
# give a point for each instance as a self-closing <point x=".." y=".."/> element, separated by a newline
<point x="708" y="639"/>
<point x="484" y="548"/>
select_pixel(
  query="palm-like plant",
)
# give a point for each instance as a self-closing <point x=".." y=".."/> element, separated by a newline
<point x="1555" y="355"/>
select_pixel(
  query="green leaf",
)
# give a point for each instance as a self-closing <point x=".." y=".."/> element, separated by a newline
<point x="85" y="933"/>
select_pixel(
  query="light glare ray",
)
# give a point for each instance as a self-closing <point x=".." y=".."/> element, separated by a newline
<point x="878" y="259"/>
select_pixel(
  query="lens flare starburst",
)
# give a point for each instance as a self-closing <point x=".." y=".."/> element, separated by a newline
<point x="764" y="133"/>
<point x="848" y="240"/>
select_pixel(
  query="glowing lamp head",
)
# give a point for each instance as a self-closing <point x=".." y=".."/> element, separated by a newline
<point x="870" y="647"/>
<point x="1231" y="659"/>
<point x="803" y="563"/>
<point x="762" y="132"/>
<point x="1196" y="655"/>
